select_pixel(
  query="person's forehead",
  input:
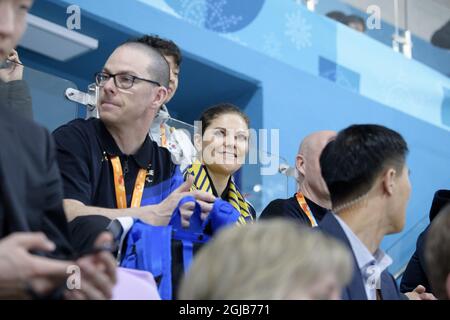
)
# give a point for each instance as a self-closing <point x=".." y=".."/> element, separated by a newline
<point x="229" y="121"/>
<point x="317" y="142"/>
<point x="325" y="137"/>
<point x="171" y="60"/>
<point x="316" y="150"/>
<point x="16" y="2"/>
<point x="128" y="59"/>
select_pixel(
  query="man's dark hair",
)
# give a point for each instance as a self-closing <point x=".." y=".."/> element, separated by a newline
<point x="217" y="110"/>
<point x="165" y="46"/>
<point x="441" y="38"/>
<point x="338" y="16"/>
<point x="437" y="253"/>
<point x="351" y="162"/>
<point x="159" y="67"/>
<point x="353" y="18"/>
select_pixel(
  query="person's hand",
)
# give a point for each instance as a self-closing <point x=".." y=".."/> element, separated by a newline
<point x="21" y="270"/>
<point x="419" y="293"/>
<point x="14" y="71"/>
<point x="163" y="211"/>
<point x="98" y="273"/>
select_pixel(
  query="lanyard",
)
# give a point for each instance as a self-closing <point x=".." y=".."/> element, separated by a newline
<point x="162" y="129"/>
<point x="119" y="185"/>
<point x="302" y="202"/>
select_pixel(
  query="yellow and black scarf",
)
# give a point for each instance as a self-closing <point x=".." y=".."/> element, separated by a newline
<point x="235" y="198"/>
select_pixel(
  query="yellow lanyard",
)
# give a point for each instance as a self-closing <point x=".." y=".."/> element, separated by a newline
<point x="162" y="129"/>
<point x="302" y="202"/>
<point x="119" y="185"/>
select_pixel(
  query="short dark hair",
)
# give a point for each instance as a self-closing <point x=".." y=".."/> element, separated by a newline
<point x="353" y="18"/>
<point x="159" y="67"/>
<point x="219" y="109"/>
<point x="165" y="46"/>
<point x="437" y="252"/>
<point x="338" y="16"/>
<point x="351" y="162"/>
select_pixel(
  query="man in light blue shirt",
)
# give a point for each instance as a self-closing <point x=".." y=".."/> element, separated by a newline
<point x="368" y="180"/>
<point x="370" y="265"/>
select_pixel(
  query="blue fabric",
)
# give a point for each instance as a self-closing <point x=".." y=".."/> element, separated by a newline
<point x="222" y="214"/>
<point x="195" y="223"/>
<point x="191" y="234"/>
<point x="149" y="247"/>
<point x="154" y="194"/>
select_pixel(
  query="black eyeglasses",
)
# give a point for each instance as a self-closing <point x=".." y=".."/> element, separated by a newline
<point x="122" y="81"/>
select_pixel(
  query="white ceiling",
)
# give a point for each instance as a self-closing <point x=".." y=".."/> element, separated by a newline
<point x="424" y="16"/>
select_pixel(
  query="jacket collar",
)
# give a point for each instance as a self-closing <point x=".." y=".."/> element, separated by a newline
<point x="142" y="157"/>
<point x="355" y="290"/>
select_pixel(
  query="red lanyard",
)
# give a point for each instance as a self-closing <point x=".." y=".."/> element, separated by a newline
<point x="302" y="202"/>
<point x="119" y="185"/>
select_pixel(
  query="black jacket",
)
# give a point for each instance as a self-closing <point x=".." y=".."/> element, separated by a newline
<point x="441" y="38"/>
<point x="15" y="95"/>
<point x="415" y="272"/>
<point x="31" y="188"/>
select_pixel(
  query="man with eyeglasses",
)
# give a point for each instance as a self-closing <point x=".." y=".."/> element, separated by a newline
<point x="110" y="166"/>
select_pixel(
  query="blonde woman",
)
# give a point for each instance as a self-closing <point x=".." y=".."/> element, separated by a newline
<point x="273" y="259"/>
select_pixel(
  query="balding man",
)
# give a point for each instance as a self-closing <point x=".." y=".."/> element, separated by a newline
<point x="110" y="166"/>
<point x="310" y="203"/>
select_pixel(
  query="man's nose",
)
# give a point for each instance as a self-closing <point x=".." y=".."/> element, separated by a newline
<point x="110" y="85"/>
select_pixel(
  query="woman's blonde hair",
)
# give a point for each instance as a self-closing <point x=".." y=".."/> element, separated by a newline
<point x="266" y="260"/>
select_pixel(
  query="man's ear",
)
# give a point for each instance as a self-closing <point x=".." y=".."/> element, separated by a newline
<point x="160" y="96"/>
<point x="300" y="164"/>
<point x="388" y="182"/>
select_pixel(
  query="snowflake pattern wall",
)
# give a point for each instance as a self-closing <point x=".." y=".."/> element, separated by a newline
<point x="298" y="30"/>
<point x="272" y="45"/>
<point x="223" y="16"/>
<point x="209" y="14"/>
<point x="282" y="29"/>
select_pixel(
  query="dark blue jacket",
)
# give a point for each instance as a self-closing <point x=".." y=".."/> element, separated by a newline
<point x="415" y="273"/>
<point x="355" y="289"/>
<point x="31" y="197"/>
